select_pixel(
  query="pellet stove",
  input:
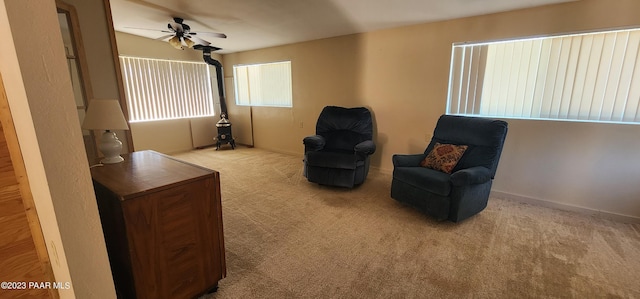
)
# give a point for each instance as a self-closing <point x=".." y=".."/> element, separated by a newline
<point x="224" y="132"/>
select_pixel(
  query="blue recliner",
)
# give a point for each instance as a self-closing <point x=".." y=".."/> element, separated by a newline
<point x="464" y="192"/>
<point x="338" y="155"/>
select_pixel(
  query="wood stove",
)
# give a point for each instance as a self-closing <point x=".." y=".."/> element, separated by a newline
<point x="224" y="132"/>
<point x="223" y="125"/>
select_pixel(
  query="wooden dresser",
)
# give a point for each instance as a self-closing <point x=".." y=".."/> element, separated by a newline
<point x="162" y="223"/>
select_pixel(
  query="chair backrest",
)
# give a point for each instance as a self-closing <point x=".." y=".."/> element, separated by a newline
<point x="343" y="128"/>
<point x="485" y="138"/>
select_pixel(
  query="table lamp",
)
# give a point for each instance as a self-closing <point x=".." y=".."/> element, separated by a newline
<point x="106" y="115"/>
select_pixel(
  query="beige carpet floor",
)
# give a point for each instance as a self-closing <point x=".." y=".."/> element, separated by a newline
<point x="288" y="238"/>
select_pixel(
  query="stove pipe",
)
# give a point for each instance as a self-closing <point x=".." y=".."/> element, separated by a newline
<point x="223" y="125"/>
<point x="206" y="55"/>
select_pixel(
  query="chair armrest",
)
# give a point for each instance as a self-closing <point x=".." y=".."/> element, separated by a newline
<point x="471" y="176"/>
<point x="313" y="143"/>
<point x="366" y="147"/>
<point x="407" y="160"/>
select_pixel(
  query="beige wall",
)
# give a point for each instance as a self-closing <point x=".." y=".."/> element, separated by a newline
<point x="98" y="49"/>
<point x="169" y="136"/>
<point x="136" y="46"/>
<point x="402" y="76"/>
<point x="42" y="103"/>
<point x="166" y="136"/>
<point x="324" y="72"/>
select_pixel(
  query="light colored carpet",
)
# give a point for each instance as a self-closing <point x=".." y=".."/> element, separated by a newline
<point x="288" y="238"/>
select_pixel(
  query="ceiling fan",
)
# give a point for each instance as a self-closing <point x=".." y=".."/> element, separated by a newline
<point x="181" y="35"/>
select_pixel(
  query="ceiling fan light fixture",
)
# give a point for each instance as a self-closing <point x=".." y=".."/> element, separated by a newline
<point x="175" y="42"/>
<point x="189" y="42"/>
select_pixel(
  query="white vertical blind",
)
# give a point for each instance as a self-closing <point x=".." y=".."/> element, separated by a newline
<point x="591" y="77"/>
<point x="267" y="84"/>
<point x="164" y="89"/>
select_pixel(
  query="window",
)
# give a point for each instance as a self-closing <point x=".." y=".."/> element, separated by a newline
<point x="267" y="84"/>
<point x="582" y="77"/>
<point x="163" y="89"/>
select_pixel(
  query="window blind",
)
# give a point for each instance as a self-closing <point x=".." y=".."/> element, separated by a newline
<point x="163" y="89"/>
<point x="591" y="77"/>
<point x="267" y="84"/>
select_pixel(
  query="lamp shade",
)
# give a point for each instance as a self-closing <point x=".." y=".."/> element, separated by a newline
<point x="176" y="43"/>
<point x="189" y="42"/>
<point x="104" y="115"/>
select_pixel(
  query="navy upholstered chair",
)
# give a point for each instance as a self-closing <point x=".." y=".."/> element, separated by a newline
<point x="464" y="191"/>
<point x="338" y="155"/>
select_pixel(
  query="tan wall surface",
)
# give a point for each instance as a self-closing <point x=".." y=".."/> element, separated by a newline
<point x="402" y="76"/>
<point x="41" y="98"/>
<point x="169" y="136"/>
<point x="97" y="47"/>
<point x="166" y="136"/>
<point x="136" y="46"/>
<point x="324" y="72"/>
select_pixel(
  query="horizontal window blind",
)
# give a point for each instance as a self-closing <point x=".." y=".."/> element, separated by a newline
<point x="591" y="77"/>
<point x="267" y="84"/>
<point x="164" y="89"/>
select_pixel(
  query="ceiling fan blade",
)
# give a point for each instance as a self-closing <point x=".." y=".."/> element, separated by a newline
<point x="206" y="48"/>
<point x="199" y="41"/>
<point x="136" y="28"/>
<point x="214" y="34"/>
<point x="164" y="37"/>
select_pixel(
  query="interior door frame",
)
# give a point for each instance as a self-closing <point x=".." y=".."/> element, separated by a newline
<point x="116" y="60"/>
<point x="81" y="58"/>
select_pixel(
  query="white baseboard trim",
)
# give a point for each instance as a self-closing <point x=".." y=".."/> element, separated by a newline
<point x="566" y="207"/>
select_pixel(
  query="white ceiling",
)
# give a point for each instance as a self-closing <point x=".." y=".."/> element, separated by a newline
<point x="254" y="24"/>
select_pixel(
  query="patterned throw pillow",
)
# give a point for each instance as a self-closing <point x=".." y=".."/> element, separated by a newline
<point x="444" y="157"/>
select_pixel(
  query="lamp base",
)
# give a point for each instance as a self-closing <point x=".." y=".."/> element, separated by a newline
<point x="112" y="160"/>
<point x="111" y="148"/>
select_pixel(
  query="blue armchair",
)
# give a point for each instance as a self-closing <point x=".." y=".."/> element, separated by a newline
<point x="338" y="155"/>
<point x="465" y="191"/>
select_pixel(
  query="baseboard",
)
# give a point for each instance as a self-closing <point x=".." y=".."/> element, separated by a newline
<point x="566" y="207"/>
